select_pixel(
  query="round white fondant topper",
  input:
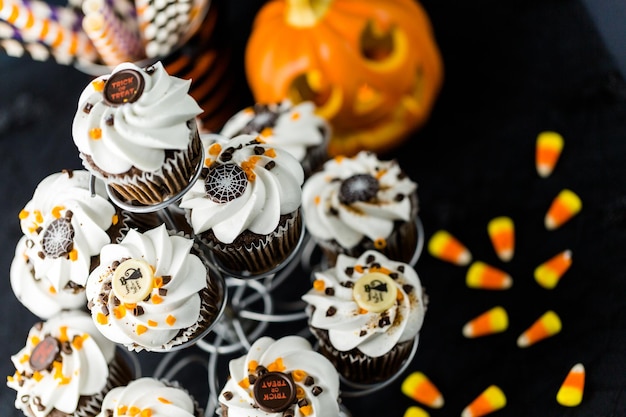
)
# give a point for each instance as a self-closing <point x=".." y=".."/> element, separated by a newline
<point x="132" y="281"/>
<point x="375" y="292"/>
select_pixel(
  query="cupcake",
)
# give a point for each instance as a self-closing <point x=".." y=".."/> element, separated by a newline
<point x="153" y="291"/>
<point x="296" y="128"/>
<point x="136" y="129"/>
<point x="361" y="203"/>
<point x="64" y="227"/>
<point x="278" y="378"/>
<point x="150" y="397"/>
<point x="66" y="368"/>
<point x="245" y="207"/>
<point x="366" y="313"/>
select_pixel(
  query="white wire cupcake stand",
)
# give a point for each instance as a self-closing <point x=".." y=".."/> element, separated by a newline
<point x="254" y="306"/>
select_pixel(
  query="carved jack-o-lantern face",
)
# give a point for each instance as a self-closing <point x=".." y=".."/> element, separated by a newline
<point x="370" y="66"/>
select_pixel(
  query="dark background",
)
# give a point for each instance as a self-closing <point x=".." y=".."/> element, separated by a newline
<point x="512" y="70"/>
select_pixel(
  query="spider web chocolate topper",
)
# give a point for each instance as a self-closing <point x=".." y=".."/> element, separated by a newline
<point x="58" y="238"/>
<point x="225" y="182"/>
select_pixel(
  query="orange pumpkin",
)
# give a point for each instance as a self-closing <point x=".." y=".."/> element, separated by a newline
<point x="372" y="67"/>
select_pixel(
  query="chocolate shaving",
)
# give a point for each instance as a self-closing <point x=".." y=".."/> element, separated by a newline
<point x="331" y="311"/>
<point x="317" y="390"/>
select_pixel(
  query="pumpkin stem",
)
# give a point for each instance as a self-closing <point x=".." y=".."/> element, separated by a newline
<point x="306" y="13"/>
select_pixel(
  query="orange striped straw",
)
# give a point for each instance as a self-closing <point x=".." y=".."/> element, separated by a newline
<point x="490" y="400"/>
<point x="548" y="149"/>
<point x="420" y="388"/>
<point x="483" y="276"/>
<point x="570" y="393"/>
<point x="502" y="234"/>
<point x="444" y="246"/>
<point x="62" y="40"/>
<point x="549" y="273"/>
<point x="494" y="320"/>
<point x="545" y="326"/>
<point x="564" y="206"/>
<point x="415" y="411"/>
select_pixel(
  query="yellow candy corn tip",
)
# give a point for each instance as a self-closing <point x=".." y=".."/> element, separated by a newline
<point x="418" y="387"/>
<point x="476" y="272"/>
<point x="493" y="396"/>
<point x="437" y="247"/>
<point x="548" y="277"/>
<point x="415" y="411"/>
<point x="548" y="140"/>
<point x="550" y="321"/>
<point x="498" y="226"/>
<point x="498" y="321"/>
<point x="570" y="393"/>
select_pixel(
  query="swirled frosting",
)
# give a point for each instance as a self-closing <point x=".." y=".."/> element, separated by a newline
<point x="349" y="310"/>
<point x="148" y="397"/>
<point x="64" y="228"/>
<point x="247" y="185"/>
<point x="357" y="197"/>
<point x="125" y="122"/>
<point x="295" y="128"/>
<point x="278" y="364"/>
<point x="146" y="289"/>
<point x="64" y="358"/>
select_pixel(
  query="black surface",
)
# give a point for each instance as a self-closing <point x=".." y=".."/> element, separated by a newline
<point x="513" y="69"/>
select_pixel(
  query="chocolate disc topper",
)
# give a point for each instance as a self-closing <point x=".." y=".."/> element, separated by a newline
<point x="44" y="354"/>
<point x="124" y="86"/>
<point x="274" y="392"/>
<point x="375" y="292"/>
<point x="132" y="281"/>
<point x="225" y="182"/>
<point x="360" y="187"/>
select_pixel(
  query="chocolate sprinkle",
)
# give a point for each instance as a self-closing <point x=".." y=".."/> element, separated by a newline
<point x="317" y="390"/>
<point x="270" y="165"/>
<point x="228" y="395"/>
<point x="87" y="108"/>
<point x="331" y="311"/>
<point x="308" y="381"/>
<point x="329" y="291"/>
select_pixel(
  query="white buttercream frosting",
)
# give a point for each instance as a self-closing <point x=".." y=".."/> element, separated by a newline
<point x="81" y="367"/>
<point x="173" y="290"/>
<point x="148" y="396"/>
<point x="349" y="325"/>
<point x="64" y="226"/>
<point x="295" y="128"/>
<point x="135" y="133"/>
<point x="258" y="183"/>
<point x="379" y="194"/>
<point x="290" y="355"/>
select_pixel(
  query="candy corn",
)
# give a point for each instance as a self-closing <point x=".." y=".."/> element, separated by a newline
<point x="415" y="411"/>
<point x="547" y="325"/>
<point x="502" y="234"/>
<point x="484" y="276"/>
<point x="571" y="392"/>
<point x="565" y="206"/>
<point x="549" y="273"/>
<point x="547" y="152"/>
<point x="446" y="247"/>
<point x="492" y="321"/>
<point x="418" y="387"/>
<point x="490" y="400"/>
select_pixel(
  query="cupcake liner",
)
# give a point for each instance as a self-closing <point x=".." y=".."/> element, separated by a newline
<point x="359" y="368"/>
<point x="150" y="188"/>
<point x="262" y="255"/>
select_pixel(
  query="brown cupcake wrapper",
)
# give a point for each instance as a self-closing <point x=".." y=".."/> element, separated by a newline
<point x="359" y="368"/>
<point x="262" y="256"/>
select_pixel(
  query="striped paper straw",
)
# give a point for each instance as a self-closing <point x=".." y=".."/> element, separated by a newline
<point x="21" y="49"/>
<point x="66" y="44"/>
<point x="66" y="16"/>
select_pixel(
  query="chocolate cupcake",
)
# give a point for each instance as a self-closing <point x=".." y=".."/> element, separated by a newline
<point x="64" y="227"/>
<point x="154" y="291"/>
<point x="362" y="203"/>
<point x="66" y="368"/>
<point x="366" y="313"/>
<point x="245" y="207"/>
<point x="136" y="129"/>
<point x="295" y="128"/>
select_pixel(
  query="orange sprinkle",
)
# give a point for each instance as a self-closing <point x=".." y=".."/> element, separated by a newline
<point x="23" y="214"/>
<point x="56" y="211"/>
<point x="24" y="358"/>
<point x="152" y="323"/>
<point x="63" y="334"/>
<point x="444" y="246"/>
<point x="215" y="149"/>
<point x="359" y="268"/>
<point x="37" y="376"/>
<point x="339" y="158"/>
<point x="141" y="329"/>
<point x="133" y="411"/>
<point x="170" y="320"/>
<point x="252" y="365"/>
<point x="317" y="200"/>
<point x="208" y="162"/>
<point x="73" y="255"/>
<point x="38" y="216"/>
<point x="34" y="340"/>
<point x="158" y="282"/>
<point x="380" y="243"/>
<point x="306" y="410"/>
<point x="156" y="299"/>
<point x="277" y="365"/>
<point x="299" y="392"/>
<point x="98" y="85"/>
<point x="95" y="133"/>
<point x="146" y="412"/>
<point x="295" y="115"/>
<point x="52" y="290"/>
<point x="420" y="388"/>
<point x="267" y="131"/>
<point x="319" y="285"/>
<point x="77" y="342"/>
<point x="270" y="152"/>
<point x="380" y="269"/>
<point x="115" y="219"/>
<point x="119" y="312"/>
<point x="244" y="383"/>
<point x="298" y="375"/>
<point x="164" y="400"/>
<point x="362" y="310"/>
<point x="101" y="318"/>
<point x="122" y="410"/>
<point x="129" y="306"/>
